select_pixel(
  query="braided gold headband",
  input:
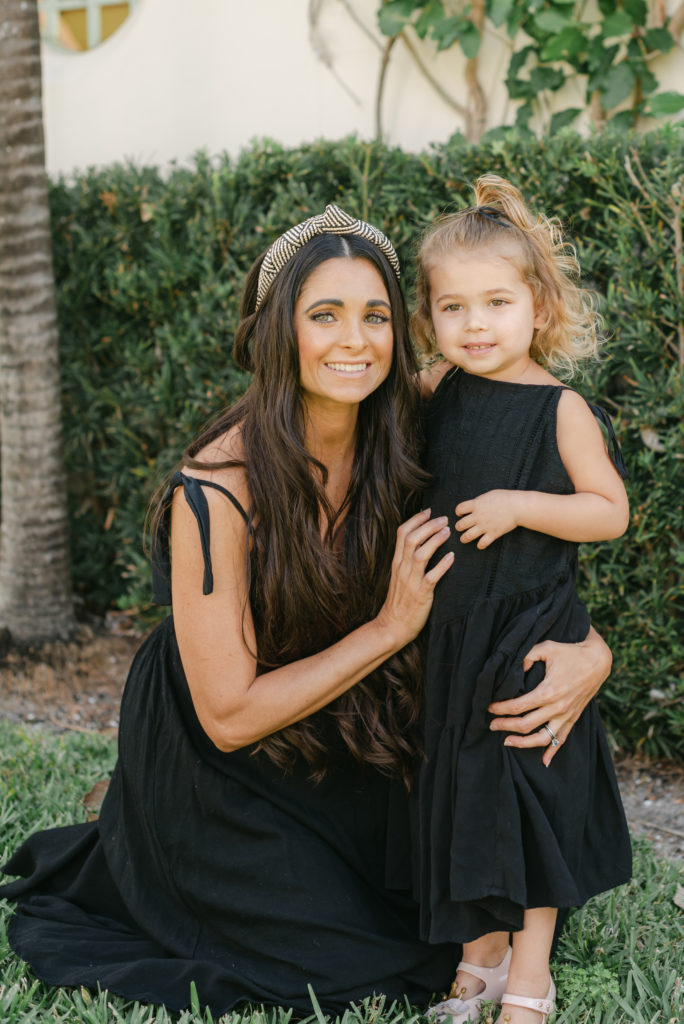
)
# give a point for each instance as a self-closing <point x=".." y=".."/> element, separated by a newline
<point x="335" y="222"/>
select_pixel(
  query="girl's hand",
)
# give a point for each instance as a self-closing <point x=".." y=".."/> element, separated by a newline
<point x="488" y="516"/>
<point x="411" y="588"/>
<point x="574" y="674"/>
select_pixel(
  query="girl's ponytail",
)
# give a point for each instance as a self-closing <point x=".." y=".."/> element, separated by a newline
<point x="491" y="190"/>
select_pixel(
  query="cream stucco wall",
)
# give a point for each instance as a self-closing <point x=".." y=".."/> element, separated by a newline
<point x="213" y="74"/>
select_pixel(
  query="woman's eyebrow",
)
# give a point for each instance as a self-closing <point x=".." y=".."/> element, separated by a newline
<point x="339" y="302"/>
<point x="324" y="302"/>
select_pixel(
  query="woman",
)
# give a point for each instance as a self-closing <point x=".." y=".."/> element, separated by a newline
<point x="268" y="728"/>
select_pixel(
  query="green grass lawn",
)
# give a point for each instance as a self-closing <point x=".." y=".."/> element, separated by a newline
<point x="621" y="958"/>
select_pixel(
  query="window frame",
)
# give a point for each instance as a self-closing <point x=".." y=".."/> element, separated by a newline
<point x="93" y="8"/>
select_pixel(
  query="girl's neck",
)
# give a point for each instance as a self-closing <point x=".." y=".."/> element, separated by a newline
<point x="531" y="373"/>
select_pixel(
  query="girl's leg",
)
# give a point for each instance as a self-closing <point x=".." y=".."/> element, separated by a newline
<point x="529" y="971"/>
<point x="487" y="951"/>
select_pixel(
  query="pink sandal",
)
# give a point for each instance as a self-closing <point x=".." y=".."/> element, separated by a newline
<point x="461" y="1011"/>
<point x="543" y="1006"/>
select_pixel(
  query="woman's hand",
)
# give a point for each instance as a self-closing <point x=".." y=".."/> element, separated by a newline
<point x="574" y="674"/>
<point x="411" y="588"/>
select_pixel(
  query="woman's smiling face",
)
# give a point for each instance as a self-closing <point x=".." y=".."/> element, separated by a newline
<point x="343" y="323"/>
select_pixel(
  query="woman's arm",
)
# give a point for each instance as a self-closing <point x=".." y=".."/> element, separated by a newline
<point x="237" y="707"/>
<point x="574" y="674"/>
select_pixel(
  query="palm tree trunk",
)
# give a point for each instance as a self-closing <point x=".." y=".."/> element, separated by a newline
<point x="35" y="593"/>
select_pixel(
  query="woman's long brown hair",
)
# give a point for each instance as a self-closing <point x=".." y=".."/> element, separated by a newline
<point x="306" y="593"/>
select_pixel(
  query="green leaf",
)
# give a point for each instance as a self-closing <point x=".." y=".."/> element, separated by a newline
<point x="607" y="6"/>
<point x="562" y="118"/>
<point x="618" y="83"/>
<point x="659" y="39"/>
<point x="623" y="120"/>
<point x="665" y="103"/>
<point x="635" y="49"/>
<point x="518" y="60"/>
<point x="546" y="78"/>
<point x="519" y="88"/>
<point x="470" y="40"/>
<point x="516" y="19"/>
<point x="637" y="10"/>
<point x="394" y="16"/>
<point x="567" y="43"/>
<point x="616" y="24"/>
<point x="499" y="10"/>
<point x="447" y="31"/>
<point x="649" y="82"/>
<point x="523" y="115"/>
<point x="432" y="13"/>
<point x="600" y="57"/>
<point x="551" y="20"/>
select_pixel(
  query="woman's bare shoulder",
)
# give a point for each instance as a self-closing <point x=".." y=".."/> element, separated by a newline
<point x="223" y="462"/>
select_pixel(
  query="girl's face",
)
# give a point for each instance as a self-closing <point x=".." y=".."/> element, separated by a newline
<point x="343" y="323"/>
<point x="483" y="313"/>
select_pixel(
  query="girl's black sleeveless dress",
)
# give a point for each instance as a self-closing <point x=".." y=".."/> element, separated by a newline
<point x="219" y="869"/>
<point x="495" y="831"/>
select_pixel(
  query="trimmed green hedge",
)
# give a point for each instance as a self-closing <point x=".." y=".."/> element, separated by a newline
<point x="149" y="270"/>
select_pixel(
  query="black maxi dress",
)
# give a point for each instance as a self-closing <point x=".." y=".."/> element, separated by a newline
<point x="219" y="869"/>
<point x="495" y="831"/>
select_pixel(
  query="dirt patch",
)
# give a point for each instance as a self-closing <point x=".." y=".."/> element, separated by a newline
<point x="653" y="796"/>
<point x="78" y="686"/>
<point x="71" y="687"/>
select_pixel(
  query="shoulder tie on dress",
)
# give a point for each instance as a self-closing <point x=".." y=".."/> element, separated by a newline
<point x="613" y="446"/>
<point x="197" y="500"/>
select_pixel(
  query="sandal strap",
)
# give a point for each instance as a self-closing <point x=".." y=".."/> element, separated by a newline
<point x="476" y="969"/>
<point x="485" y="973"/>
<point x="544" y="1006"/>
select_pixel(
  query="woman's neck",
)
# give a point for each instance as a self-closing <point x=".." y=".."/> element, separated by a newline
<point x="331" y="439"/>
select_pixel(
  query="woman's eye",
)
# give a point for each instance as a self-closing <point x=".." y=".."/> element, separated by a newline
<point x="377" y="318"/>
<point x="323" y="317"/>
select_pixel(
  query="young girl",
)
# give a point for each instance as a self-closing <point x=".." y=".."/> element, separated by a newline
<point x="506" y="835"/>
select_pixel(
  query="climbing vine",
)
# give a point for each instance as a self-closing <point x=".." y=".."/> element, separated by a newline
<point x="608" y="49"/>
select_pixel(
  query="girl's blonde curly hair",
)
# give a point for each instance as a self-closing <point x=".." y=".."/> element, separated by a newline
<point x="501" y="221"/>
